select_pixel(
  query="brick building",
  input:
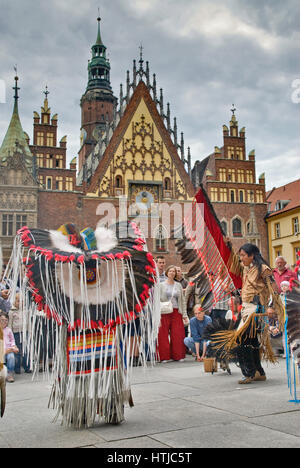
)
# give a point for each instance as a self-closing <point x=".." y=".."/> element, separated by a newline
<point x="229" y="177"/>
<point x="50" y="157"/>
<point x="18" y="181"/>
<point x="130" y="157"/>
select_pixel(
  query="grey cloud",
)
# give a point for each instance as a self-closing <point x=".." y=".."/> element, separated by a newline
<point x="201" y="75"/>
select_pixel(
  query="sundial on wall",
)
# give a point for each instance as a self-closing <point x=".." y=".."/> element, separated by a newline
<point x="145" y="198"/>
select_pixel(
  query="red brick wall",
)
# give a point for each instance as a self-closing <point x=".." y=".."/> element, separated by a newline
<point x="57" y="208"/>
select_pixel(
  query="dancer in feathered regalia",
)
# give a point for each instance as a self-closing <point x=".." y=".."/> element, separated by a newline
<point x="81" y="293"/>
<point x="246" y="340"/>
<point x="251" y="339"/>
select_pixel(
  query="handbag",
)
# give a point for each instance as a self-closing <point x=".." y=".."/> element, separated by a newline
<point x="167" y="307"/>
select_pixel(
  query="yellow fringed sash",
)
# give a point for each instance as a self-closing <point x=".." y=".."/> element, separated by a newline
<point x="225" y="341"/>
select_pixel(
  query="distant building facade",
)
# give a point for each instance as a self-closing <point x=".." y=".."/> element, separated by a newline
<point x="283" y="220"/>
<point x="229" y="177"/>
<point x="130" y="158"/>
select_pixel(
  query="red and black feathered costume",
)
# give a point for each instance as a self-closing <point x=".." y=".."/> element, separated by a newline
<point x="82" y="293"/>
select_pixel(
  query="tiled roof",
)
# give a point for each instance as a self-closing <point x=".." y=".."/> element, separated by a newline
<point x="289" y="193"/>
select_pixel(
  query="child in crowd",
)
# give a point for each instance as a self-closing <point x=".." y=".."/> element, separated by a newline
<point x="277" y="339"/>
<point x="15" y="323"/>
<point x="10" y="348"/>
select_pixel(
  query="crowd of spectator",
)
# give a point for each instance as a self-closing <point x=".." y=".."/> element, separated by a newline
<point x="182" y="319"/>
<point x="187" y="319"/>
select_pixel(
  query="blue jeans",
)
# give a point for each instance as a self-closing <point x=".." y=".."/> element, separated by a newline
<point x="19" y="357"/>
<point x="190" y="343"/>
<point x="9" y="360"/>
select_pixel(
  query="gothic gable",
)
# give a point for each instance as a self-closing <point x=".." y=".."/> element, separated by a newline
<point x="141" y="153"/>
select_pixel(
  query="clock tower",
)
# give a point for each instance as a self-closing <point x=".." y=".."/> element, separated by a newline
<point x="98" y="104"/>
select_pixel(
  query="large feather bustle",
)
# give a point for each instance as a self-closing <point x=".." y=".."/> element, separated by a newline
<point x="53" y="309"/>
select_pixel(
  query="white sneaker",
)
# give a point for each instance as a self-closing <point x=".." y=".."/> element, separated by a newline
<point x="181" y="360"/>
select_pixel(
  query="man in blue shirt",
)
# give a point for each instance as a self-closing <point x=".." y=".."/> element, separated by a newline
<point x="197" y="325"/>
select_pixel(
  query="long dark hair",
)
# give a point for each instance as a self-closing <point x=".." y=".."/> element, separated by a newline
<point x="258" y="260"/>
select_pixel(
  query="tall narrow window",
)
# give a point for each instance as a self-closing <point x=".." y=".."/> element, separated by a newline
<point x="40" y="139"/>
<point x="161" y="239"/>
<point x="50" y="139"/>
<point x="21" y="220"/>
<point x="214" y="194"/>
<point x="231" y="175"/>
<point x="59" y="161"/>
<point x="49" y="161"/>
<point x="259" y="196"/>
<point x="58" y="183"/>
<point x="40" y="159"/>
<point x="7" y="225"/>
<point x="222" y="175"/>
<point x="249" y="175"/>
<point x="167" y="183"/>
<point x="277" y="230"/>
<point x="240" y="175"/>
<point x="295" y="225"/>
<point x="223" y="195"/>
<point x="49" y="183"/>
<point x="224" y="227"/>
<point x="230" y="152"/>
<point x="237" y="227"/>
<point x="69" y="184"/>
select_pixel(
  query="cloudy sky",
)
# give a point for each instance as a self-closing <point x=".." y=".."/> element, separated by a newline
<point x="206" y="55"/>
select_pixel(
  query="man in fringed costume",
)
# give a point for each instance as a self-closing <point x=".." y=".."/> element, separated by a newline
<point x="251" y="339"/>
<point x="247" y="274"/>
<point x="81" y="293"/>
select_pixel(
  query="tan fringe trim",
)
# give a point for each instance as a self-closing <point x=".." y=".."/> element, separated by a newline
<point x="225" y="341"/>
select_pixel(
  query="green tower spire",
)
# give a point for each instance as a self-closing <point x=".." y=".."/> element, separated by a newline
<point x="15" y="141"/>
<point x="99" y="66"/>
<point x="99" y="40"/>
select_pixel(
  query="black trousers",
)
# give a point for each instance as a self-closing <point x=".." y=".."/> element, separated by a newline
<point x="249" y="356"/>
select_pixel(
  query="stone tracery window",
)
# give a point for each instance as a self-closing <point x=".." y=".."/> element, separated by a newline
<point x="161" y="239"/>
<point x="237" y="227"/>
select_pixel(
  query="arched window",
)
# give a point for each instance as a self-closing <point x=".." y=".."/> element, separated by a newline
<point x="167" y="183"/>
<point x="237" y="227"/>
<point x="118" y="181"/>
<point x="161" y="239"/>
<point x="224" y="227"/>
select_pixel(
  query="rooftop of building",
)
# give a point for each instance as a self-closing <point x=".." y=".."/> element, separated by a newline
<point x="284" y="198"/>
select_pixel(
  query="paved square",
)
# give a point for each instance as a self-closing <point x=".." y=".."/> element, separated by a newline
<point x="177" y="405"/>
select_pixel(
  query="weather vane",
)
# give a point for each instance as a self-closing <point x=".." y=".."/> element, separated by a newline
<point x="46" y="92"/>
<point x="233" y="109"/>
<point x="141" y="52"/>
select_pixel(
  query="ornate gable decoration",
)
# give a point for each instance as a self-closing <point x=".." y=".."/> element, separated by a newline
<point x="141" y="151"/>
<point x="160" y="118"/>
